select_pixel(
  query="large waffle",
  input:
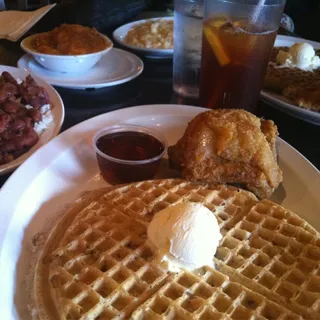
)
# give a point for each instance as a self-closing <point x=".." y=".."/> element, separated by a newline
<point x="98" y="265"/>
<point x="274" y="252"/>
<point x="279" y="78"/>
<point x="308" y="97"/>
<point x="299" y="86"/>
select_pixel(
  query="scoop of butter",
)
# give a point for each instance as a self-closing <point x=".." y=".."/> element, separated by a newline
<point x="185" y="236"/>
<point x="301" y="55"/>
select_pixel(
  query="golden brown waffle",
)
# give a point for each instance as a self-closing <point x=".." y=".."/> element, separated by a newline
<point x="208" y="295"/>
<point x="308" y="97"/>
<point x="96" y="261"/>
<point x="277" y="254"/>
<point x="98" y="265"/>
<point x="299" y="86"/>
<point x="279" y="78"/>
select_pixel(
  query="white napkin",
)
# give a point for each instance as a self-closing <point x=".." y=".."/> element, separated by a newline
<point x="14" y="24"/>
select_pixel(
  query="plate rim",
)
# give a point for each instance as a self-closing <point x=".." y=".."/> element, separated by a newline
<point x="292" y="109"/>
<point x="28" y="169"/>
<point x="285" y="106"/>
<point x="12" y="165"/>
<point x="147" y="51"/>
<point x="22" y="65"/>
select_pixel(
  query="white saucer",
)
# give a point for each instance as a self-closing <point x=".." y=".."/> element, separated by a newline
<point x="116" y="67"/>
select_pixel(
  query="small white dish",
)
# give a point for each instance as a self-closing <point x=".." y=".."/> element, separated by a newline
<point x="65" y="63"/>
<point x="282" y="103"/>
<point x="120" y="34"/>
<point x="53" y="129"/>
<point x="117" y="67"/>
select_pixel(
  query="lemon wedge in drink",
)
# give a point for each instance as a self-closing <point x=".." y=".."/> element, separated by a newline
<point x="218" y="22"/>
<point x="216" y="46"/>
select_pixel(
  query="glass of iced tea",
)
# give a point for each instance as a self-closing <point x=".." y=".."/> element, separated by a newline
<point x="238" y="36"/>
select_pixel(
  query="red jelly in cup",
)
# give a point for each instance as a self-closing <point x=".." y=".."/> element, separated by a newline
<point x="128" y="153"/>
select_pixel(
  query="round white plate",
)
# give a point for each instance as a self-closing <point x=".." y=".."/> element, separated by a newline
<point x="51" y="131"/>
<point x="282" y="102"/>
<point x="56" y="175"/>
<point x="120" y="33"/>
<point x="116" y="67"/>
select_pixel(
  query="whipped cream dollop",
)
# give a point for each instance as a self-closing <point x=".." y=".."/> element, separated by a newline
<point x="184" y="236"/>
<point x="301" y="55"/>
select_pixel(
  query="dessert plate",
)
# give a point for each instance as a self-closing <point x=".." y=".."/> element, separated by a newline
<point x="116" y="67"/>
<point x="282" y="103"/>
<point x="120" y="33"/>
<point x="53" y="128"/>
<point x="41" y="189"/>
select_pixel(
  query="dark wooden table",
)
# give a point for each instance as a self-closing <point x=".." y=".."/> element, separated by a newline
<point x="154" y="86"/>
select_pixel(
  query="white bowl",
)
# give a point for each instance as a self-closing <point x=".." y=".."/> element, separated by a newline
<point x="64" y="63"/>
<point x="120" y="34"/>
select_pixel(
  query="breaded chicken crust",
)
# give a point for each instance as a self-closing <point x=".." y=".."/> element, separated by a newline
<point x="229" y="146"/>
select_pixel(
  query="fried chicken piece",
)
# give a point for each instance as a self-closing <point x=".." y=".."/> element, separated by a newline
<point x="229" y="146"/>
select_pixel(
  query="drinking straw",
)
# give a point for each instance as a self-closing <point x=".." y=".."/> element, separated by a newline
<point x="257" y="11"/>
